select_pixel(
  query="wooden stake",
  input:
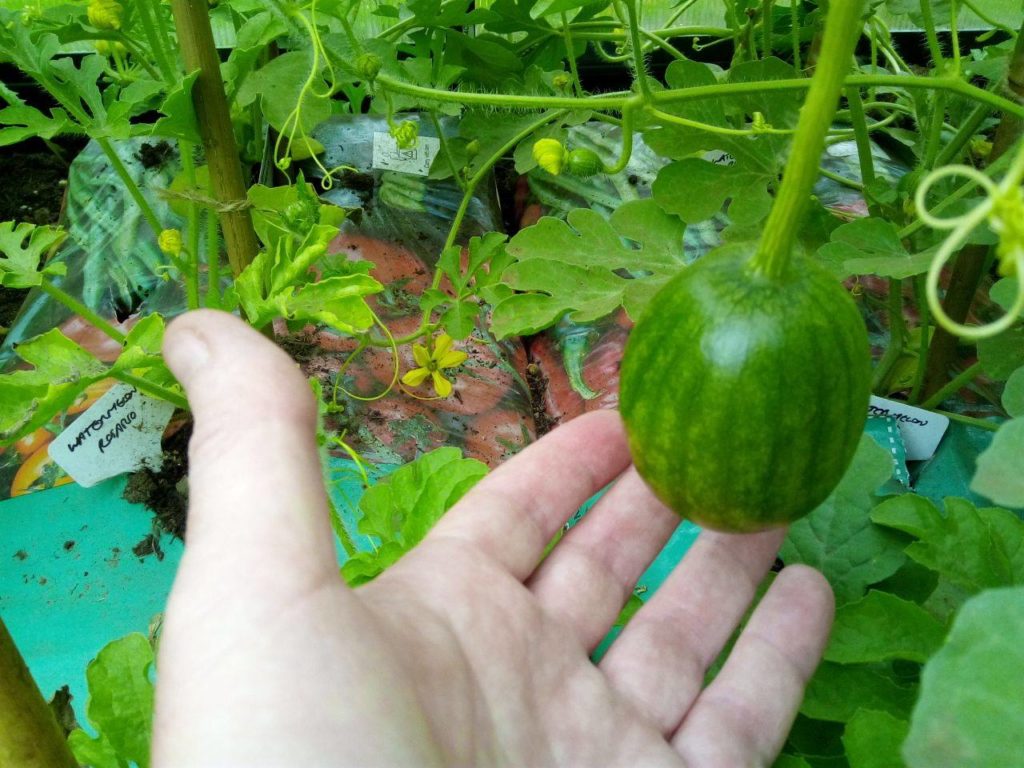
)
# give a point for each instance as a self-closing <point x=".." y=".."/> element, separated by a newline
<point x="29" y="734"/>
<point x="195" y="38"/>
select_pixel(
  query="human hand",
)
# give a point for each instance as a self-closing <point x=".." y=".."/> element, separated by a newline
<point x="466" y="652"/>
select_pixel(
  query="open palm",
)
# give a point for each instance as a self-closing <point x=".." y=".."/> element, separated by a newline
<point x="467" y="652"/>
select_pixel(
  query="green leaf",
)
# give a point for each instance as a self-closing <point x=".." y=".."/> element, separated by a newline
<point x="548" y="7"/>
<point x="251" y="41"/>
<point x="138" y="96"/>
<point x="121" y="700"/>
<point x="93" y="752"/>
<point x="29" y="53"/>
<point x="142" y="346"/>
<point x="276" y="283"/>
<point x="839" y="539"/>
<point x="677" y="141"/>
<point x="403" y="507"/>
<point x="279" y="84"/>
<point x="1004" y="292"/>
<point x="589" y="293"/>
<point x="24" y="248"/>
<point x="912" y="8"/>
<point x="755" y="161"/>
<point x="432" y="298"/>
<point x="459" y="319"/>
<point x="791" y="761"/>
<point x="912" y="581"/>
<point x="338" y="302"/>
<point x="1013" y="394"/>
<point x="780" y="108"/>
<point x="434" y="13"/>
<point x="484" y="58"/>
<point x="577" y="266"/>
<point x="837" y="691"/>
<point x="60" y="371"/>
<point x="817" y="741"/>
<point x="882" y="627"/>
<point x="974" y="548"/>
<point x="484" y="253"/>
<point x="872" y="246"/>
<point x="80" y="83"/>
<point x="179" y="116"/>
<point x="873" y="739"/>
<point x="696" y="190"/>
<point x="23" y="122"/>
<point x="1000" y="473"/>
<point x="1002" y="354"/>
<point x="969" y="714"/>
<point x="143" y="358"/>
<point x="450" y="263"/>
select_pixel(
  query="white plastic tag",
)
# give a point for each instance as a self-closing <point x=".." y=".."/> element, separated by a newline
<point x="119" y="433"/>
<point x="921" y="430"/>
<point x="388" y="157"/>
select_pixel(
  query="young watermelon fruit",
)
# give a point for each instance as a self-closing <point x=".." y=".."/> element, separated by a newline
<point x="745" y="395"/>
<point x="745" y="383"/>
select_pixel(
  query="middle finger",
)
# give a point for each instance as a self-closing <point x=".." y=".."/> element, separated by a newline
<point x="588" y="577"/>
<point x="659" y="661"/>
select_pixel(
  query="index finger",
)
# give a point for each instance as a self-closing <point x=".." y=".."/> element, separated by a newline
<point x="514" y="512"/>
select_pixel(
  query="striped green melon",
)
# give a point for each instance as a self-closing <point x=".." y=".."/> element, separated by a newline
<point x="744" y="396"/>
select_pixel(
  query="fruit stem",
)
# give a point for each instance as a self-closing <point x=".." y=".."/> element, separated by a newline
<point x="842" y="30"/>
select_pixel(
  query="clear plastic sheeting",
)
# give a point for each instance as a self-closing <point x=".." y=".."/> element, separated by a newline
<point x="400" y="221"/>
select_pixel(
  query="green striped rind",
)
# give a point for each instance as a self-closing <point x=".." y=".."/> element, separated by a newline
<point x="744" y="398"/>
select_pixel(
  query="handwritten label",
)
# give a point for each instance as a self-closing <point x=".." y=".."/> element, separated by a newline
<point x="120" y="433"/>
<point x="921" y="430"/>
<point x="388" y="157"/>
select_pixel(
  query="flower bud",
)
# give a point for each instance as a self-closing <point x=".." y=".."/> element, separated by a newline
<point x="550" y="155"/>
<point x="367" y="65"/>
<point x="110" y="47"/>
<point x="105" y="14"/>
<point x="406" y="134"/>
<point x="170" y="242"/>
<point x="760" y="125"/>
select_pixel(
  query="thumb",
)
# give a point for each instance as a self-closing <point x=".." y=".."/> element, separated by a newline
<point x="257" y="507"/>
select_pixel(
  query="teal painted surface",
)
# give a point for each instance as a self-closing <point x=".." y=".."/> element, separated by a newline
<point x="69" y="582"/>
<point x="950" y="471"/>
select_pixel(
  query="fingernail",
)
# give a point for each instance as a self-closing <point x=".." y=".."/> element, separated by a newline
<point x="186" y="352"/>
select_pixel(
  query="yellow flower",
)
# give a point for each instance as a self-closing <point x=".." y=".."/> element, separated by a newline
<point x="170" y="242"/>
<point x="105" y="14"/>
<point x="432" y="363"/>
<point x="550" y="155"/>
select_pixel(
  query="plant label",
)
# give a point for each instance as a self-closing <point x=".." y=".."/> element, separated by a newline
<point x="921" y="430"/>
<point x="387" y="156"/>
<point x="120" y="433"/>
